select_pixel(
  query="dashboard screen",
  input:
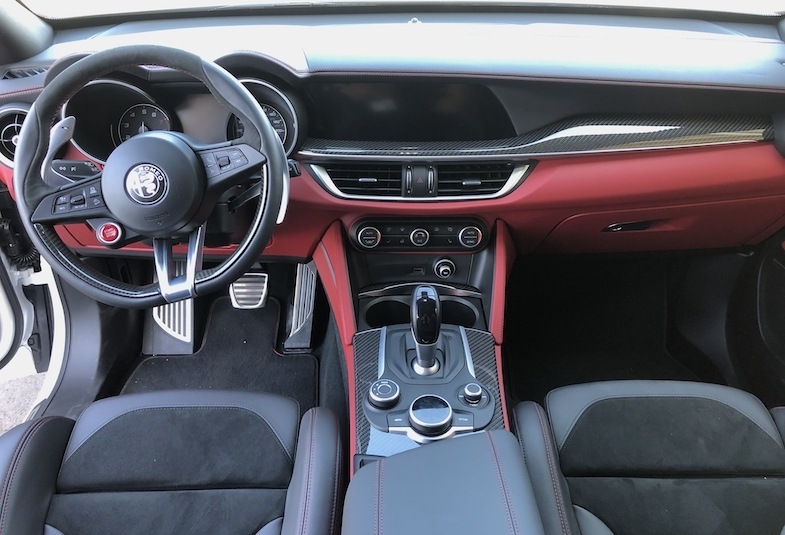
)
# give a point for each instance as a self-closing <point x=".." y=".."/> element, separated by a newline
<point x="409" y="111"/>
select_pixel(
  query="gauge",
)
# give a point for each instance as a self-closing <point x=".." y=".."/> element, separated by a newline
<point x="236" y="128"/>
<point x="142" y="118"/>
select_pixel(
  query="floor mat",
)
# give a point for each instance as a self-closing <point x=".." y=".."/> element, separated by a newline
<point x="238" y="354"/>
<point x="574" y="321"/>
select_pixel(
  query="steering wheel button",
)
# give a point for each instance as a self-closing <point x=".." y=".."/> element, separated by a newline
<point x="95" y="202"/>
<point x="61" y="208"/>
<point x="223" y="161"/>
<point x="212" y="171"/>
<point x="77" y="199"/>
<point x="92" y="191"/>
<point x="208" y="159"/>
<point x="109" y="233"/>
<point x="62" y="199"/>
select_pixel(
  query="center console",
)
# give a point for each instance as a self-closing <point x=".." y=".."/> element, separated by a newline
<point x="425" y="364"/>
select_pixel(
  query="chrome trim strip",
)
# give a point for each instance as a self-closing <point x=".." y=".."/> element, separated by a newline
<point x="516" y="177"/>
<point x="446" y="288"/>
<point x="382" y="352"/>
<point x="420" y="439"/>
<point x="174" y="288"/>
<point x="467" y="352"/>
<point x="288" y="140"/>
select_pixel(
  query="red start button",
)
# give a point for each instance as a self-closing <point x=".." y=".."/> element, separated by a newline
<point x="109" y="233"/>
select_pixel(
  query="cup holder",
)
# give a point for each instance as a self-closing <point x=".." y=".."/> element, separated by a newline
<point x="394" y="310"/>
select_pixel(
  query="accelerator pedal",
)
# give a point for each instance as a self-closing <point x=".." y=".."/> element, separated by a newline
<point x="249" y="291"/>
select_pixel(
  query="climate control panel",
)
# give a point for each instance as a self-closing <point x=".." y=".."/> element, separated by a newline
<point x="458" y="234"/>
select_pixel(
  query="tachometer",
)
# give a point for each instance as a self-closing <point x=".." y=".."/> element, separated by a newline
<point x="142" y="118"/>
<point x="236" y="128"/>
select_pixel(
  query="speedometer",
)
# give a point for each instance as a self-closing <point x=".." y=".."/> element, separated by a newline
<point x="236" y="128"/>
<point x="142" y="118"/>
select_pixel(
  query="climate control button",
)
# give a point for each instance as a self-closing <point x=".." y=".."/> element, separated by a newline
<point x="470" y="237"/>
<point x="419" y="237"/>
<point x="369" y="237"/>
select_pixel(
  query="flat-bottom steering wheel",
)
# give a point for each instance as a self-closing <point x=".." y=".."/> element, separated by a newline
<point x="161" y="185"/>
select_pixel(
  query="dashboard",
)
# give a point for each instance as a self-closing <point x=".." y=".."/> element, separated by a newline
<point x="582" y="132"/>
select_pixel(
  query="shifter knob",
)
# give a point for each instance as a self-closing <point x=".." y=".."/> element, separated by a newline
<point x="426" y="322"/>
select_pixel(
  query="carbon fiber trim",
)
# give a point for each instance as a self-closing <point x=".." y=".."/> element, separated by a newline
<point x="366" y="356"/>
<point x="483" y="350"/>
<point x="573" y="136"/>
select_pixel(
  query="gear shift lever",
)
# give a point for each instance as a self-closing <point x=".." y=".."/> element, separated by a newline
<point x="426" y="321"/>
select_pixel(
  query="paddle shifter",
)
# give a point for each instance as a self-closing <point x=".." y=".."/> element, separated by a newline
<point x="426" y="321"/>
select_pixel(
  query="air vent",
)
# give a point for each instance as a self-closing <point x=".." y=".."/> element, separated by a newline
<point x="367" y="179"/>
<point x="472" y="179"/>
<point x="23" y="72"/>
<point x="11" y="120"/>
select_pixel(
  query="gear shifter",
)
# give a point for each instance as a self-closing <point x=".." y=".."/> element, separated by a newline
<point x="426" y="321"/>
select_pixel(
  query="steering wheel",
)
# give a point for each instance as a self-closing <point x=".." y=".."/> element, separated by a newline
<point x="157" y="185"/>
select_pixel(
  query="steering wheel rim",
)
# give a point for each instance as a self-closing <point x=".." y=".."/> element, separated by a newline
<point x="32" y="190"/>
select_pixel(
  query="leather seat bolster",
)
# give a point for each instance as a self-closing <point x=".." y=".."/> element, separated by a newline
<point x="313" y="502"/>
<point x="30" y="455"/>
<point x="680" y="428"/>
<point x="542" y="463"/>
<point x="466" y="485"/>
<point x="197" y="439"/>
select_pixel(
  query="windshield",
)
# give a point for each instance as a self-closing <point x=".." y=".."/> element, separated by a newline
<point x="57" y="9"/>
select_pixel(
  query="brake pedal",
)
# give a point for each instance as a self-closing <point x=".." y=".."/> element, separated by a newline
<point x="249" y="291"/>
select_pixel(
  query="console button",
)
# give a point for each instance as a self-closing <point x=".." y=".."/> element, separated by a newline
<point x="419" y="237"/>
<point x="470" y="236"/>
<point x="369" y="237"/>
<point x="398" y="419"/>
<point x="463" y="419"/>
<point x="384" y="393"/>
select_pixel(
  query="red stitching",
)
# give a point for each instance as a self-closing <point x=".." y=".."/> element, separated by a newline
<point x="501" y="485"/>
<point x="554" y="480"/>
<point x="307" y="490"/>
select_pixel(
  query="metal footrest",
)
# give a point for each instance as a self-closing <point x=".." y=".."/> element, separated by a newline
<point x="301" y="327"/>
<point x="249" y="291"/>
<point x="176" y="319"/>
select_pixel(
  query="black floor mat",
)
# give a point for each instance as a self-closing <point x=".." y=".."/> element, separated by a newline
<point x="573" y="321"/>
<point x="238" y="354"/>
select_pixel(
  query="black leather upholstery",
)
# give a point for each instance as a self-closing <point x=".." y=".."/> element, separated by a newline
<point x="657" y="457"/>
<point x="470" y="485"/>
<point x="175" y="462"/>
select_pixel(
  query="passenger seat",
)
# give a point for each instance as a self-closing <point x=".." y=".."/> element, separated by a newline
<point x="655" y="457"/>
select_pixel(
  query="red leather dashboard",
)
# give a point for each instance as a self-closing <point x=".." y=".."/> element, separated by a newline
<point x="723" y="196"/>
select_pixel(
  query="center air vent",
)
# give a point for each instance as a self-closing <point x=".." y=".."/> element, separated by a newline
<point x="367" y="179"/>
<point x="11" y="120"/>
<point x="455" y="180"/>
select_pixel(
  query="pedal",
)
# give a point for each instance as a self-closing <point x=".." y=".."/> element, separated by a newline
<point x="249" y="291"/>
<point x="299" y="338"/>
<point x="171" y="331"/>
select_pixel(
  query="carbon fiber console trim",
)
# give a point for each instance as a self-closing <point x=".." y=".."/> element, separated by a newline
<point x="574" y="136"/>
<point x="481" y="345"/>
<point x="366" y="357"/>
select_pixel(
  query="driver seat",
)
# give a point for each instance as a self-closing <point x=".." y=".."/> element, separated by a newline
<point x="174" y="462"/>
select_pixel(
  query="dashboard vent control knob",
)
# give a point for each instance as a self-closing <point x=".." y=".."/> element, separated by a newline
<point x="369" y="237"/>
<point x="444" y="268"/>
<point x="384" y="393"/>
<point x="472" y="393"/>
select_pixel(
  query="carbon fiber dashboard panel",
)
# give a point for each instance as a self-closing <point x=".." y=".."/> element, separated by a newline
<point x="366" y="369"/>
<point x="574" y="136"/>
